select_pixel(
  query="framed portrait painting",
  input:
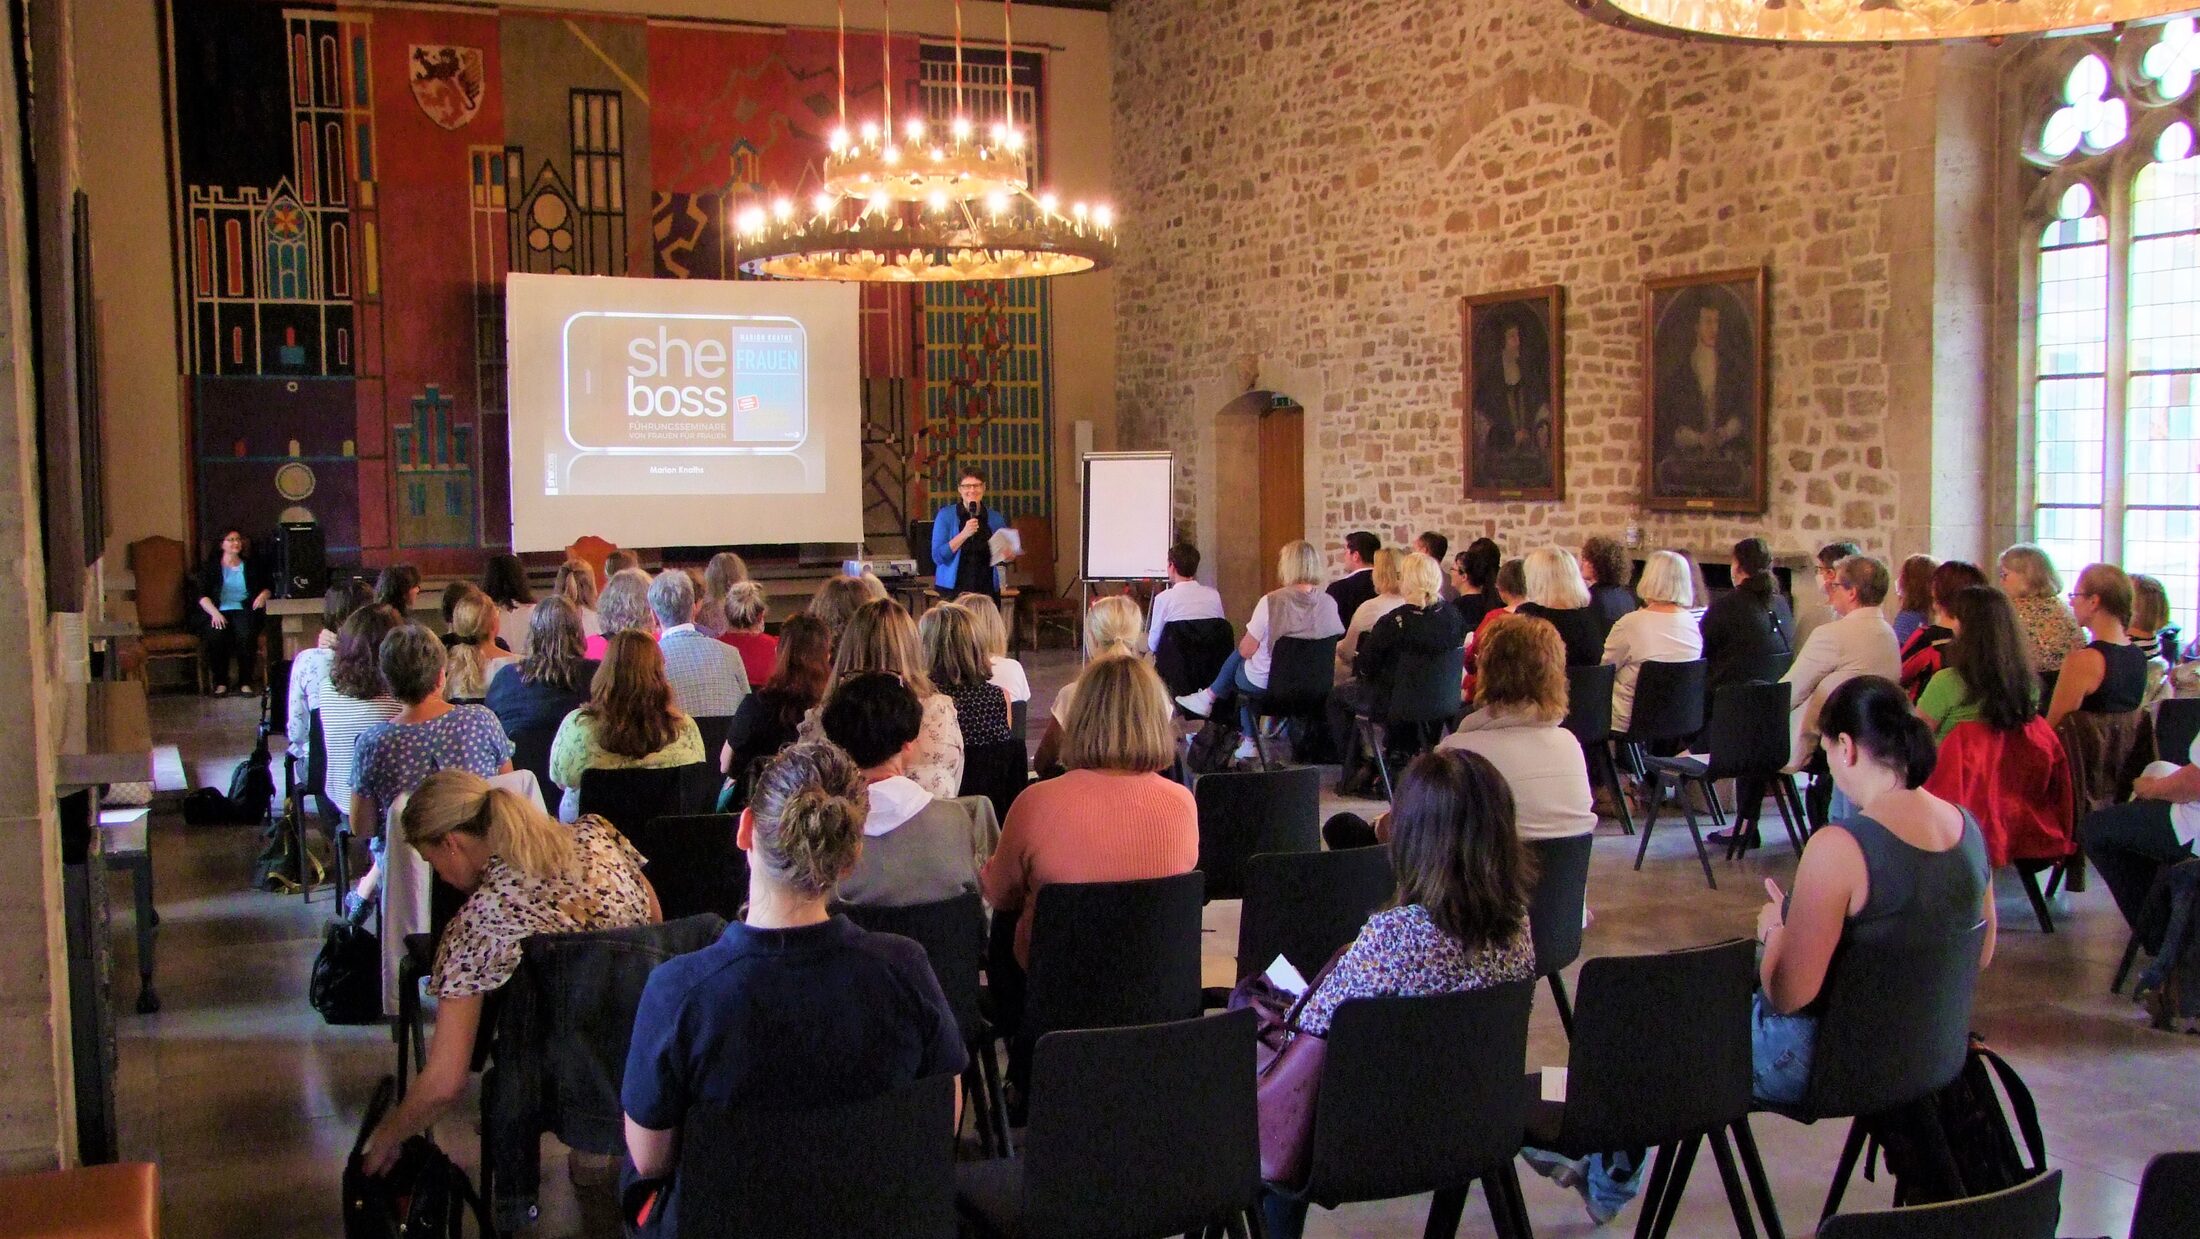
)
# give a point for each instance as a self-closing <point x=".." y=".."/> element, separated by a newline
<point x="1515" y="424"/>
<point x="1705" y="392"/>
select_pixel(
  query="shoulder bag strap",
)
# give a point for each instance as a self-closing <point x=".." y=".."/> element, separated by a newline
<point x="2020" y="1103"/>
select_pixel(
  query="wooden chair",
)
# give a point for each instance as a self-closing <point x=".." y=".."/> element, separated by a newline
<point x="1039" y="599"/>
<point x="592" y="550"/>
<point x="162" y="569"/>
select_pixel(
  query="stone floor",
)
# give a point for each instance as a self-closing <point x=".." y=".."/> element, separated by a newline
<point x="249" y="1102"/>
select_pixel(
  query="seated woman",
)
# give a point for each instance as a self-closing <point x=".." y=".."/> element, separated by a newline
<point x="1927" y="649"/>
<point x="523" y="875"/>
<point x="1604" y="569"/>
<point x="1520" y="706"/>
<point x="2149" y="616"/>
<point x="1423" y="624"/>
<point x="1988" y="674"/>
<point x="837" y="601"/>
<point x="1384" y="573"/>
<point x="1748" y="625"/>
<point x="794" y="1007"/>
<point x="532" y="696"/>
<point x="398" y="588"/>
<point x="1004" y="671"/>
<point x="769" y="718"/>
<point x="429" y="734"/>
<point x="724" y="571"/>
<point x="1913" y="586"/>
<point x="577" y="584"/>
<point x="742" y="609"/>
<point x="1112" y="628"/>
<point x="232" y="606"/>
<point x="623" y="607"/>
<point x="1511" y="584"/>
<point x="1459" y="921"/>
<point x="917" y="848"/>
<point x="505" y="582"/>
<point x="2035" y="589"/>
<point x="994" y="762"/>
<point x="1474" y="578"/>
<point x="1299" y="607"/>
<point x="882" y="637"/>
<point x="357" y="700"/>
<point x="474" y="656"/>
<point x="2109" y="674"/>
<point x="629" y="722"/>
<point x="1558" y="596"/>
<point x="311" y="671"/>
<point x="1663" y="631"/>
<point x="1906" y="867"/>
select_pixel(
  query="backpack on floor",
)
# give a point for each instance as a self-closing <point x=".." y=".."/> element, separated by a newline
<point x="346" y="987"/>
<point x="251" y="786"/>
<point x="1959" y="1143"/>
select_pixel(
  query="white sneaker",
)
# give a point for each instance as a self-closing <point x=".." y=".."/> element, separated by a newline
<point x="1200" y="704"/>
<point x="1247" y="751"/>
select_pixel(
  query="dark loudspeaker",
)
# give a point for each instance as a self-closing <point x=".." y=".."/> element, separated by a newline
<point x="301" y="561"/>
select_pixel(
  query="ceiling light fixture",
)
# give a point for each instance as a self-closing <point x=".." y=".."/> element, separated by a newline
<point x="1874" y="21"/>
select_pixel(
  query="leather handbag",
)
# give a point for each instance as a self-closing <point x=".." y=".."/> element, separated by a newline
<point x="1289" y="1065"/>
<point x="424" y="1196"/>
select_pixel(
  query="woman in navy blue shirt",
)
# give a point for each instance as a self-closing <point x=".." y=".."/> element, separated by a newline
<point x="794" y="1007"/>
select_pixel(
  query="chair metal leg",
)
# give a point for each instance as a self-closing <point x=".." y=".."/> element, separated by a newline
<point x="1675" y="1187"/>
<point x="1649" y="823"/>
<point x="1851" y="1149"/>
<point x="1600" y="757"/>
<point x="1503" y="1221"/>
<point x="1444" y="1211"/>
<point x="1510" y="1176"/>
<point x="1787" y="820"/>
<point x="1736" y="1201"/>
<point x="990" y="1067"/>
<point x="1565" y="1004"/>
<point x="2031" y="883"/>
<point x="1661" y="1175"/>
<point x="1372" y="736"/>
<point x="1768" y="1210"/>
<point x="1688" y="811"/>
<point x="2123" y="969"/>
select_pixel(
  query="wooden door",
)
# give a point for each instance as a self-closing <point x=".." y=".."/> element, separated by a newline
<point x="1282" y="485"/>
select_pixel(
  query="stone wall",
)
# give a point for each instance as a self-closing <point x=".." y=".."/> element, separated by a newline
<point x="1309" y="190"/>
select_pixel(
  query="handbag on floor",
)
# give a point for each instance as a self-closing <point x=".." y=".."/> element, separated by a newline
<point x="346" y="987"/>
<point x="425" y="1194"/>
<point x="1959" y="1142"/>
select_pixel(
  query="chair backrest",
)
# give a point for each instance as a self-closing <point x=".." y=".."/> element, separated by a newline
<point x="1149" y="1130"/>
<point x="2175" y="724"/>
<point x="2029" y="1210"/>
<point x="713" y="728"/>
<point x="920" y="548"/>
<point x="1106" y="954"/>
<point x="1894" y="1023"/>
<point x="1307" y="906"/>
<point x="693" y="863"/>
<point x="1192" y="652"/>
<point x="630" y="798"/>
<point x="531" y="751"/>
<point x="998" y="771"/>
<point x="161" y="568"/>
<point x="1660" y="1046"/>
<point x="278" y="695"/>
<point x="1748" y="733"/>
<point x="316" y="782"/>
<point x="1589" y="702"/>
<point x="1246" y="812"/>
<point x="1300" y="674"/>
<point x="1561" y="891"/>
<point x="1019" y="722"/>
<point x="1761" y="669"/>
<point x="1406" y="1106"/>
<point x="1037" y="562"/>
<point x="2169" y="1198"/>
<point x="952" y="933"/>
<point x="1668" y="701"/>
<point x="1425" y="687"/>
<point x="885" y="1166"/>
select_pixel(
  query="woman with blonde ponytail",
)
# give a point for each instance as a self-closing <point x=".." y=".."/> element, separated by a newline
<point x="523" y="874"/>
<point x="474" y="656"/>
<point x="795" y="1007"/>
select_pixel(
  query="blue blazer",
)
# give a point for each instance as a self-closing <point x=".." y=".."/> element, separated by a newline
<point x="944" y="527"/>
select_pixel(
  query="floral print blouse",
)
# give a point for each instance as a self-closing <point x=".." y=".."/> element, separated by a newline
<point x="1402" y="954"/>
<point x="2050" y="630"/>
<point x="480" y="949"/>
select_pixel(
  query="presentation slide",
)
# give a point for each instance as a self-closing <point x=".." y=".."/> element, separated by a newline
<point x="683" y="412"/>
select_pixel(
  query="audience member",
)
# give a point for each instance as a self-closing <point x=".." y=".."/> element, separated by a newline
<point x="311" y="671"/>
<point x="1510" y="584"/>
<point x="1663" y="631"/>
<point x="1558" y="596"/>
<point x="1858" y="642"/>
<point x="505" y="582"/>
<point x="2108" y="676"/>
<point x="1357" y="585"/>
<point x="1422" y="625"/>
<point x="1459" y="921"/>
<point x="1748" y="624"/>
<point x="357" y="699"/>
<point x="713" y="615"/>
<point x="1474" y="581"/>
<point x="233" y="593"/>
<point x="523" y="875"/>
<point x="1520" y="701"/>
<point x="428" y="734"/>
<point x="2149" y="616"/>
<point x="620" y="561"/>
<point x="1387" y="599"/>
<point x="577" y="584"/>
<point x="398" y="588"/>
<point x="917" y="847"/>
<point x="1817" y="608"/>
<point x="1298" y="608"/>
<point x="1604" y="569"/>
<point x="2035" y="590"/>
<point x="1112" y="627"/>
<point x="453" y="591"/>
<point x="741" y="614"/>
<point x="1923" y="653"/>
<point x="623" y="607"/>
<point x="1185" y="598"/>
<point x="2130" y="843"/>
<point x="770" y="718"/>
<point x="794" y="1007"/>
<point x="707" y="675"/>
<point x="962" y="535"/>
<point x="1006" y="673"/>
<point x="533" y="698"/>
<point x="1913" y="591"/>
<point x="837" y="601"/>
<point x="1437" y="547"/>
<point x="631" y="721"/>
<point x="957" y="666"/>
<point x="1988" y="675"/>
<point x="882" y="637"/>
<point x="474" y="656"/>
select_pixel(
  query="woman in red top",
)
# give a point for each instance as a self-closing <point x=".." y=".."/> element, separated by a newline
<point x="1512" y="590"/>
<point x="744" y="608"/>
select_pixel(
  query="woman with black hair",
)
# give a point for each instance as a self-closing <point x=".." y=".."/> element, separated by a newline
<point x="233" y="594"/>
<point x="1748" y="624"/>
<point x="1474" y="581"/>
<point x="506" y="584"/>
<point x="1987" y="673"/>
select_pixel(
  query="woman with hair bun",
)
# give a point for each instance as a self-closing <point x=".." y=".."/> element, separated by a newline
<point x="523" y="875"/>
<point x="795" y="1007"/>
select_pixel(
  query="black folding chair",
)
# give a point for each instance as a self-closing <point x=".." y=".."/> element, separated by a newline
<point x="2176" y="722"/>
<point x="1668" y="710"/>
<point x="1747" y="742"/>
<point x="1403" y="1111"/>
<point x="1192" y="652"/>
<point x="1589" y="718"/>
<point x="1307" y="906"/>
<point x="884" y="1166"/>
<point x="713" y="728"/>
<point x="335" y="818"/>
<point x="998" y="771"/>
<point x="1242" y="813"/>
<point x="2029" y="1210"/>
<point x="693" y="863"/>
<point x="531" y="752"/>
<point x="1555" y="911"/>
<point x="2169" y="1198"/>
<point x="1107" y="954"/>
<point x="634" y="797"/>
<point x="1135" y="1132"/>
<point x="1299" y="676"/>
<point x="1424" y="697"/>
<point x="1660" y="1059"/>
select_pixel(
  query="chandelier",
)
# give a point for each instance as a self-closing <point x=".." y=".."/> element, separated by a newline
<point x="927" y="202"/>
<point x="1873" y="21"/>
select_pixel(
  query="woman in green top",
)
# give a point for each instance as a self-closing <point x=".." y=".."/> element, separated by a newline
<point x="1988" y="675"/>
<point x="629" y="721"/>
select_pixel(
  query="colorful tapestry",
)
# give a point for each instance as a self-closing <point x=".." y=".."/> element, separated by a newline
<point x="356" y="179"/>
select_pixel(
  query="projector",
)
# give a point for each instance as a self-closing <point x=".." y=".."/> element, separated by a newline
<point x="885" y="569"/>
